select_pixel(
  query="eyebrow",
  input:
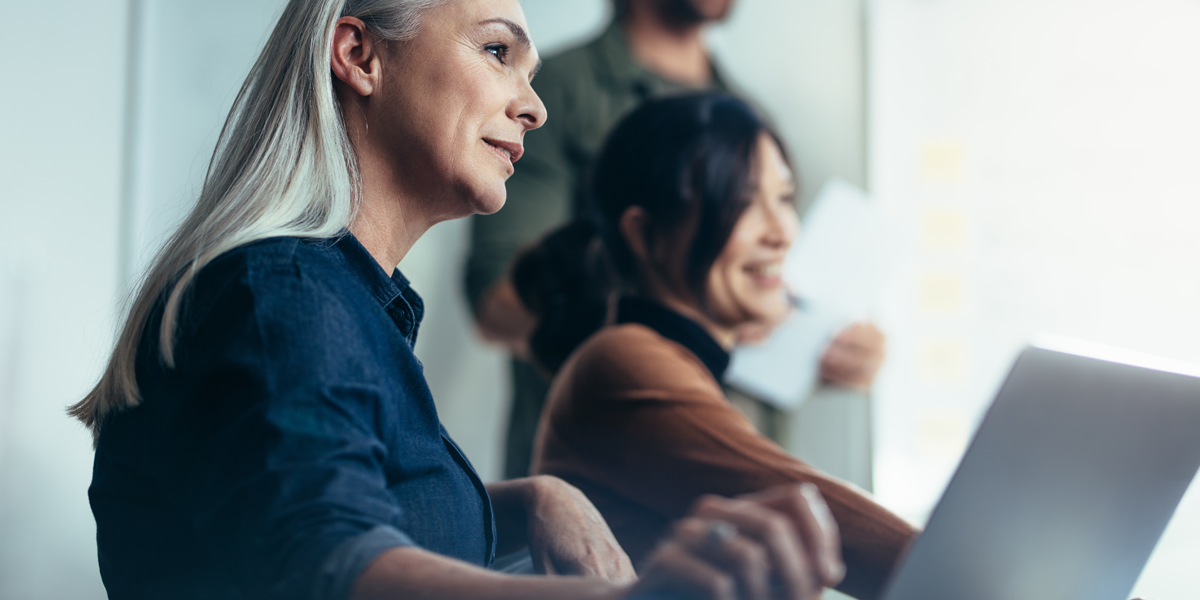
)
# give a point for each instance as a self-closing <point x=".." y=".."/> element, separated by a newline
<point x="519" y="33"/>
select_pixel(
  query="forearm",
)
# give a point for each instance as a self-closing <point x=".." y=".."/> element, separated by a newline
<point x="412" y="573"/>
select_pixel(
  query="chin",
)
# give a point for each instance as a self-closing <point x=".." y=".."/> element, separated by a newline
<point x="772" y="311"/>
<point x="489" y="202"/>
<point x="714" y="10"/>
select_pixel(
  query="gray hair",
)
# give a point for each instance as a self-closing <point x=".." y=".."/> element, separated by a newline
<point x="283" y="166"/>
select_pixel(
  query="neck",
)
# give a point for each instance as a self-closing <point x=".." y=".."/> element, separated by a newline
<point x="390" y="218"/>
<point x="726" y="337"/>
<point x="673" y="50"/>
<point x="382" y="228"/>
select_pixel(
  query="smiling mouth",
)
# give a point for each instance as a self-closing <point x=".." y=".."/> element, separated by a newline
<point x="768" y="270"/>
<point x="510" y="151"/>
<point x="768" y="275"/>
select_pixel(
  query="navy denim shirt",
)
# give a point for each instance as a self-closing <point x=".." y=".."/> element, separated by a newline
<point x="294" y="441"/>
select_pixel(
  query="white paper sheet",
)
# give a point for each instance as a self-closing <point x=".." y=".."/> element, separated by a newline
<point x="836" y="267"/>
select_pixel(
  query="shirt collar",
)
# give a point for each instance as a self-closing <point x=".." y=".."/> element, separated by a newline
<point x="678" y="329"/>
<point x="624" y="72"/>
<point x="394" y="293"/>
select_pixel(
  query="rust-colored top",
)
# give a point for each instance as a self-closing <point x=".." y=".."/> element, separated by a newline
<point x="641" y="426"/>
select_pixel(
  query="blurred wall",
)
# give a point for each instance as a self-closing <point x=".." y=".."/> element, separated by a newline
<point x="60" y="149"/>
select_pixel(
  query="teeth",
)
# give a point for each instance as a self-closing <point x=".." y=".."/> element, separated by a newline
<point x="769" y="270"/>
<point x="504" y="150"/>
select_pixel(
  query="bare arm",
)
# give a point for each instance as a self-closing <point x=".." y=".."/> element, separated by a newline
<point x="420" y="574"/>
<point x="854" y="356"/>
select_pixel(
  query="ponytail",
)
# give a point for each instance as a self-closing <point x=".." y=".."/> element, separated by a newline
<point x="566" y="281"/>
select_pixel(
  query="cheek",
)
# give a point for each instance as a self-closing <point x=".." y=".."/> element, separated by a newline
<point x="736" y="298"/>
<point x="727" y="292"/>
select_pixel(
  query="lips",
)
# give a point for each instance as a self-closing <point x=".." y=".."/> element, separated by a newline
<point x="767" y="274"/>
<point x="771" y="269"/>
<point x="511" y="150"/>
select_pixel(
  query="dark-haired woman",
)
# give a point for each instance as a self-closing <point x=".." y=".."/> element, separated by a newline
<point x="638" y="307"/>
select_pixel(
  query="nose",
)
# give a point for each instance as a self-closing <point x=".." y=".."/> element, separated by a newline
<point x="527" y="108"/>
<point x="782" y="227"/>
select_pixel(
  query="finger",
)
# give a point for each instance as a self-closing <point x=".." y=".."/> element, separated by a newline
<point x="543" y="563"/>
<point x="675" y="567"/>
<point x="737" y="555"/>
<point x="820" y="532"/>
<point x="839" y="366"/>
<point x="748" y="562"/>
<point x="774" y="532"/>
<point x="861" y="337"/>
<point x="806" y="508"/>
<point x="854" y="368"/>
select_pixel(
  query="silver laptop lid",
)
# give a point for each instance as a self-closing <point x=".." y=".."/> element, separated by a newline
<point x="1067" y="486"/>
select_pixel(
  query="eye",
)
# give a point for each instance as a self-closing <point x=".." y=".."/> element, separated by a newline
<point x="788" y="198"/>
<point x="500" y="51"/>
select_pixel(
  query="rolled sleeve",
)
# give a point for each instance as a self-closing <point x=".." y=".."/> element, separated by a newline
<point x="346" y="563"/>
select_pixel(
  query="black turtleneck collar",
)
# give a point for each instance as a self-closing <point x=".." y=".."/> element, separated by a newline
<point x="677" y="328"/>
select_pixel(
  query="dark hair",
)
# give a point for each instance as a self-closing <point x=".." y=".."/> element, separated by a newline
<point x="620" y="9"/>
<point x="688" y="162"/>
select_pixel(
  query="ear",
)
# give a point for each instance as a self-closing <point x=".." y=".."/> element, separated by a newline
<point x="355" y="56"/>
<point x="633" y="229"/>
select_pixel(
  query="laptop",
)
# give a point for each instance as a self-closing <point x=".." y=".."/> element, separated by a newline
<point x="1068" y="483"/>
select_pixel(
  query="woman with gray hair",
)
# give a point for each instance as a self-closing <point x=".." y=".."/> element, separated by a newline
<point x="263" y="429"/>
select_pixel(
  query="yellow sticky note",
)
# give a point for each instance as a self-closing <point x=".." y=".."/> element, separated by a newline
<point x="943" y="230"/>
<point x="942" y="361"/>
<point x="941" y="293"/>
<point x="941" y="162"/>
<point x="942" y="432"/>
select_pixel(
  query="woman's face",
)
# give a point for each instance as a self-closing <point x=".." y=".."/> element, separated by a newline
<point x="745" y="283"/>
<point x="455" y="105"/>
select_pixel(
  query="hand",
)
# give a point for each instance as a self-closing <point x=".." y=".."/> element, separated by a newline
<point x="781" y="543"/>
<point x="567" y="535"/>
<point x="501" y="318"/>
<point x="854" y="356"/>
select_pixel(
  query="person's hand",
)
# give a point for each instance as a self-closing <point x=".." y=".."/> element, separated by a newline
<point x="778" y="544"/>
<point x="502" y="318"/>
<point x="567" y="535"/>
<point x="854" y="356"/>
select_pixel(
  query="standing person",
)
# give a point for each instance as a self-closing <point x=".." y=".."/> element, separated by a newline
<point x="651" y="49"/>
<point x="263" y="429"/>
